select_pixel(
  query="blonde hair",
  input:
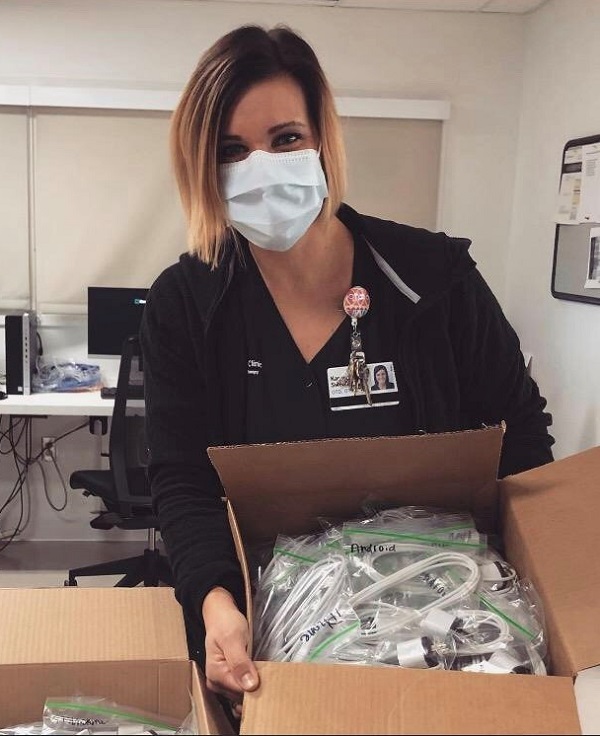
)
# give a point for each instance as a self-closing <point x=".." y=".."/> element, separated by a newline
<point x="238" y="60"/>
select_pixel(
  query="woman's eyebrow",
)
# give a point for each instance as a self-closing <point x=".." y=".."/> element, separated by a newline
<point x="280" y="126"/>
<point x="271" y="131"/>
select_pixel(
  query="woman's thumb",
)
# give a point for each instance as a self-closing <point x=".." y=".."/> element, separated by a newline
<point x="242" y="668"/>
<point x="248" y="680"/>
<point x="246" y="675"/>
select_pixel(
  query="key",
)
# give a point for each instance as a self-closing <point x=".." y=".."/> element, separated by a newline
<point x="359" y="374"/>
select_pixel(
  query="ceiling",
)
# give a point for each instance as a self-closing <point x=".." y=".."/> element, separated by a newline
<point x="465" y="6"/>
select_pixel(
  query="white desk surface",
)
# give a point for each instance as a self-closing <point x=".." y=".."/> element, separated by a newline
<point x="84" y="403"/>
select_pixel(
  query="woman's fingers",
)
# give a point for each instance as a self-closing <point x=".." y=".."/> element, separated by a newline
<point x="229" y="670"/>
<point x="228" y="665"/>
<point x="237" y="710"/>
<point x="233" y="696"/>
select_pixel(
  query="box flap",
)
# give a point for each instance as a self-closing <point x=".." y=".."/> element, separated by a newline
<point x="285" y="487"/>
<point x="160" y="688"/>
<point x="551" y="517"/>
<point x="210" y="717"/>
<point x="90" y="625"/>
<point x="334" y="699"/>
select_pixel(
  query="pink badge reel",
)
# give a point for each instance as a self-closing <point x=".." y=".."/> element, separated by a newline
<point x="357" y="302"/>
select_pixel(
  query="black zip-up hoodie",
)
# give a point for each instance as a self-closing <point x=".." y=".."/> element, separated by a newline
<point x="461" y="358"/>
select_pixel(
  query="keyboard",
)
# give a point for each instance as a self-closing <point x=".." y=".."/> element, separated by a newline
<point x="134" y="391"/>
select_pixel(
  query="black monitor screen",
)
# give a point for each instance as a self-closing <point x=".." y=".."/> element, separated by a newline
<point x="114" y="314"/>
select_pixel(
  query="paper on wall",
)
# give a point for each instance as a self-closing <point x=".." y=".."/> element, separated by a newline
<point x="567" y="211"/>
<point x="568" y="199"/>
<point x="589" y="206"/>
<point x="593" y="273"/>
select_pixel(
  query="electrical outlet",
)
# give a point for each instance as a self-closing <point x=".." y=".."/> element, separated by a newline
<point x="48" y="449"/>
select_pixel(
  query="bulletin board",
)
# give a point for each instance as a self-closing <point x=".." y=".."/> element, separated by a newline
<point x="576" y="263"/>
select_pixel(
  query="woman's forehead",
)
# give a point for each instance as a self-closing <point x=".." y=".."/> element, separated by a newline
<point x="267" y="104"/>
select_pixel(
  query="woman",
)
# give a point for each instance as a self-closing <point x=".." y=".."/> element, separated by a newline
<point x="238" y="336"/>
<point x="382" y="379"/>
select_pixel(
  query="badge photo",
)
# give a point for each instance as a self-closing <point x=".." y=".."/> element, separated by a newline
<point x="382" y="384"/>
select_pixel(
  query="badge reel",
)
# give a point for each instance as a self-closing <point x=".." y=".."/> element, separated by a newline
<point x="356" y="305"/>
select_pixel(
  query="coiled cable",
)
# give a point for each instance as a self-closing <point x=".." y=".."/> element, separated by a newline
<point x="435" y="562"/>
<point x="314" y="595"/>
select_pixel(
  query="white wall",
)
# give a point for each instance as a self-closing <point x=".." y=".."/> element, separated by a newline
<point x="472" y="60"/>
<point x="560" y="102"/>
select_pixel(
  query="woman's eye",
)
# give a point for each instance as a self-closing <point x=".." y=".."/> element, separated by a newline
<point x="232" y="152"/>
<point x="286" y="139"/>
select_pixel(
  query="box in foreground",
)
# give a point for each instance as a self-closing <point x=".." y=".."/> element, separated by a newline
<point x="548" y="519"/>
<point x="125" y="644"/>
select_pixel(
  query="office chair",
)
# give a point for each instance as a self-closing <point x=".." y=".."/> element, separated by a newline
<point x="125" y="491"/>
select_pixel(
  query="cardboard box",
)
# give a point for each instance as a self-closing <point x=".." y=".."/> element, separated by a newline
<point x="126" y="644"/>
<point x="549" y="521"/>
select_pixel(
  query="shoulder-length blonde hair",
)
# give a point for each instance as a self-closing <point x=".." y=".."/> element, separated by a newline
<point x="238" y="60"/>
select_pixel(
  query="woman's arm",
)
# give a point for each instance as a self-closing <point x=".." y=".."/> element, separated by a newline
<point x="494" y="380"/>
<point x="186" y="491"/>
<point x="187" y="494"/>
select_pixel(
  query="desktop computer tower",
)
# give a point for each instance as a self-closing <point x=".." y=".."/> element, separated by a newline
<point x="20" y="332"/>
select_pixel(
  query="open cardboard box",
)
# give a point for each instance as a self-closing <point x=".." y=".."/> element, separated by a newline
<point x="549" y="521"/>
<point x="125" y="644"/>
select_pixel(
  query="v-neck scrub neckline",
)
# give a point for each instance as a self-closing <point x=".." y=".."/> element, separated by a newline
<point x="288" y="399"/>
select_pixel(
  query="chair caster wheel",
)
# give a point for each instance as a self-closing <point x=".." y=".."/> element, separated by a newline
<point x="70" y="583"/>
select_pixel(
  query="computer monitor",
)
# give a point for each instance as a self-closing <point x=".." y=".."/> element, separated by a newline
<point x="114" y="314"/>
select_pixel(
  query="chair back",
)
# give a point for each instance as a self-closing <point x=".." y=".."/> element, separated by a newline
<point x="127" y="453"/>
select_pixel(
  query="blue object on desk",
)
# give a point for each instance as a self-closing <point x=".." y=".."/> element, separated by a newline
<point x="65" y="376"/>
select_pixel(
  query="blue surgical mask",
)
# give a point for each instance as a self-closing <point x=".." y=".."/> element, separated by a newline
<point x="273" y="198"/>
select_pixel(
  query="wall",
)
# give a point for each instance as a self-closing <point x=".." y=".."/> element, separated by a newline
<point x="472" y="60"/>
<point x="560" y="102"/>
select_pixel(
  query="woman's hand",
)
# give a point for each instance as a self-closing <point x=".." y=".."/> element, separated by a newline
<point x="229" y="670"/>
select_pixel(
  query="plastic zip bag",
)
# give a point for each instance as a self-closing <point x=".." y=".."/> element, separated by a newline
<point x="65" y="376"/>
<point x="291" y="558"/>
<point x="95" y="715"/>
<point x="316" y="601"/>
<point x="426" y="591"/>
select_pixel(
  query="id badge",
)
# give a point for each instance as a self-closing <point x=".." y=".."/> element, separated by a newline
<point x="383" y="387"/>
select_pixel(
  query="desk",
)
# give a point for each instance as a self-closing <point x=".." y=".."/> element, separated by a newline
<point x="85" y="403"/>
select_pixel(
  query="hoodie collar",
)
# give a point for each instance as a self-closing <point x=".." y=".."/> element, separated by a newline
<point x="422" y="265"/>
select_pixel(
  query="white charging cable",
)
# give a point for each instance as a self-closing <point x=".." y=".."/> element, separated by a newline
<point x="537" y="663"/>
<point x="503" y="662"/>
<point x="467" y="625"/>
<point x="497" y="576"/>
<point x="428" y="565"/>
<point x="367" y="563"/>
<point x="279" y="577"/>
<point x="314" y="596"/>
